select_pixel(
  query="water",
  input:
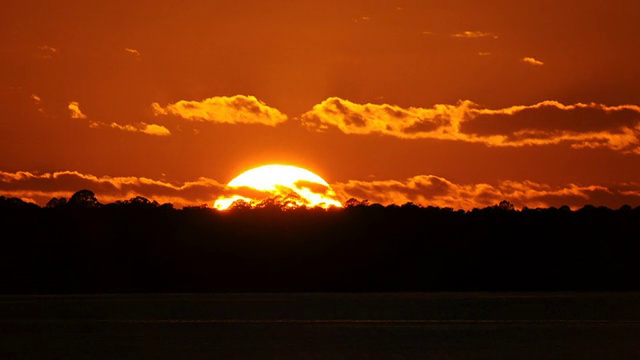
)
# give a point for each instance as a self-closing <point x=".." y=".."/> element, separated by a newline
<point x="322" y="326"/>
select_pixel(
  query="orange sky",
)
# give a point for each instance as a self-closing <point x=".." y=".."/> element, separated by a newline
<point x="457" y="103"/>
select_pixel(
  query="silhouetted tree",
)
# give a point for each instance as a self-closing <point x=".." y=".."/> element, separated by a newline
<point x="56" y="202"/>
<point x="84" y="199"/>
<point x="353" y="202"/>
<point x="240" y="205"/>
<point x="506" y="205"/>
<point x="625" y="208"/>
<point x="410" y="205"/>
<point x="15" y="203"/>
<point x="140" y="201"/>
<point x="138" y="246"/>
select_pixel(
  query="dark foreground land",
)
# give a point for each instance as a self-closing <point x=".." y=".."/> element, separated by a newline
<point x="138" y="246"/>
<point x="139" y="280"/>
<point x="322" y="326"/>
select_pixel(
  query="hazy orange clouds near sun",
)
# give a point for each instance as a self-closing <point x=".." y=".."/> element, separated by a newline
<point x="447" y="104"/>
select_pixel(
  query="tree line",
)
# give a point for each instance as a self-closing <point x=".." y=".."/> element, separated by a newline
<point x="79" y="245"/>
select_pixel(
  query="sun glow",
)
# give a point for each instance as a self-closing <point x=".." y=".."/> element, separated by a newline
<point x="287" y="185"/>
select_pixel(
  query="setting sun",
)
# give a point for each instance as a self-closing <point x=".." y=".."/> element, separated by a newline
<point x="288" y="184"/>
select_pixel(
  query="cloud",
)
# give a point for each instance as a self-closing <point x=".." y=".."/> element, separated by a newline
<point x="532" y="61"/>
<point x="74" y="107"/>
<point x="363" y="18"/>
<point x="425" y="190"/>
<point x="238" y="109"/>
<point x="40" y="188"/>
<point x="546" y="123"/>
<point x="144" y="128"/>
<point x="153" y="129"/>
<point x="429" y="190"/>
<point x="135" y="53"/>
<point x="352" y="118"/>
<point x="474" y="35"/>
<point x="38" y="102"/>
<point x="149" y="129"/>
<point x="46" y="52"/>
<point x="580" y="125"/>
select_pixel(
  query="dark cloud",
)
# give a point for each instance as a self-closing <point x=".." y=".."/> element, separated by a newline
<point x="546" y="123"/>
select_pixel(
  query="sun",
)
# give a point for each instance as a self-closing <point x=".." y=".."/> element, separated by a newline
<point x="291" y="186"/>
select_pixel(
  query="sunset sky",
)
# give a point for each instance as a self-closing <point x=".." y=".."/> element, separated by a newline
<point x="456" y="104"/>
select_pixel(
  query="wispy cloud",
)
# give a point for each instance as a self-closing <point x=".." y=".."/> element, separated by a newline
<point x="149" y="129"/>
<point x="141" y="127"/>
<point x="38" y="101"/>
<point x="153" y="129"/>
<point x="135" y="53"/>
<point x="580" y="125"/>
<point x="40" y="188"/>
<point x="74" y="108"/>
<point x="474" y="35"/>
<point x="363" y="18"/>
<point x="46" y="52"/>
<point x="532" y="61"/>
<point x="237" y="109"/>
<point x="429" y="190"/>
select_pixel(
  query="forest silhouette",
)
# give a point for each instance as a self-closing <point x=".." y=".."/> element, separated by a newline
<point x="139" y="246"/>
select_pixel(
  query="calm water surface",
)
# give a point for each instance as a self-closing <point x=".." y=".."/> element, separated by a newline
<point x="322" y="326"/>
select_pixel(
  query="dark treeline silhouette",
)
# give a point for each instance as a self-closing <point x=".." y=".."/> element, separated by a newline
<point x="82" y="246"/>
